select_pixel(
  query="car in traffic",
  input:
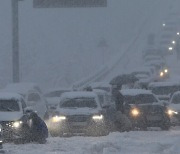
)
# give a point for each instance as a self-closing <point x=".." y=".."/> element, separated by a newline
<point x="52" y="96"/>
<point x="174" y="108"/>
<point x="164" y="90"/>
<point x="79" y="113"/>
<point x="1" y="137"/>
<point x="13" y="117"/>
<point x="32" y="95"/>
<point x="144" y="109"/>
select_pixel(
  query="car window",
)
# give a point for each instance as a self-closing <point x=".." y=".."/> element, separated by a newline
<point x="34" y="97"/>
<point x="79" y="103"/>
<point x="176" y="99"/>
<point x="140" y="99"/>
<point x="9" y="106"/>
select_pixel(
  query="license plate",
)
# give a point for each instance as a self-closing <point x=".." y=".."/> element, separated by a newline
<point x="78" y="123"/>
<point x="153" y="118"/>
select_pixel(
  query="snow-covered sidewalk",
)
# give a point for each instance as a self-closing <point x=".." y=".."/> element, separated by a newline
<point x="138" y="142"/>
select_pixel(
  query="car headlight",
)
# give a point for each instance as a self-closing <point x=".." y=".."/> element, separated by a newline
<point x="98" y="117"/>
<point x="166" y="71"/>
<point x="58" y="118"/>
<point x="161" y="74"/>
<point x="171" y="112"/>
<point x="135" y="112"/>
<point x="17" y="124"/>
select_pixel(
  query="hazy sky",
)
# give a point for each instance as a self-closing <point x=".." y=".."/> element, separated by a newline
<point x="61" y="46"/>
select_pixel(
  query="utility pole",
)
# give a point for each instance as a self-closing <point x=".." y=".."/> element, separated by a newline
<point x="15" y="41"/>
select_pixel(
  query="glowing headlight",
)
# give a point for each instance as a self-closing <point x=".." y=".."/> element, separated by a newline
<point x="161" y="74"/>
<point x="166" y="71"/>
<point x="135" y="112"/>
<point x="171" y="112"/>
<point x="58" y="118"/>
<point x="17" y="124"/>
<point x="97" y="117"/>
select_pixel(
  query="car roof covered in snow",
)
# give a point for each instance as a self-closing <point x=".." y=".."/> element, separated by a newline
<point x="134" y="92"/>
<point x="163" y="84"/>
<point x="80" y="94"/>
<point x="10" y="96"/>
<point x="99" y="91"/>
<point x="21" y="88"/>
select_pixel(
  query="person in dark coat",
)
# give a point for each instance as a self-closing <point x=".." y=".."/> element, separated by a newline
<point x="122" y="122"/>
<point x="118" y="98"/>
<point x="39" y="130"/>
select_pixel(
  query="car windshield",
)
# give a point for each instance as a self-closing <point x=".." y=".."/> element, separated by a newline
<point x="176" y="99"/>
<point x="9" y="106"/>
<point x="165" y="90"/>
<point x="140" y="99"/>
<point x="79" y="103"/>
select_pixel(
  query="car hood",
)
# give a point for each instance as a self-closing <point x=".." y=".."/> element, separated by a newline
<point x="10" y="116"/>
<point x="79" y="111"/>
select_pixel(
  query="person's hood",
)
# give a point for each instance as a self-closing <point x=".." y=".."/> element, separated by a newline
<point x="78" y="111"/>
<point x="10" y="116"/>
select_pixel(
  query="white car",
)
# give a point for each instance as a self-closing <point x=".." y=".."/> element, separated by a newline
<point x="79" y="113"/>
<point x="32" y="96"/>
<point x="174" y="107"/>
<point x="12" y="115"/>
<point x="53" y="96"/>
<point x="164" y="90"/>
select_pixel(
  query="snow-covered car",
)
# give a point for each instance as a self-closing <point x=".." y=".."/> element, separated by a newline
<point x="164" y="90"/>
<point x="1" y="136"/>
<point x="174" y="108"/>
<point x="53" y="96"/>
<point x="144" y="109"/>
<point x="79" y="113"/>
<point x="32" y="96"/>
<point x="13" y="118"/>
<point x="108" y="104"/>
<point x="101" y="85"/>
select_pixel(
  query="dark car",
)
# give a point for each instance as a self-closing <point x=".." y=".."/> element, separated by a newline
<point x="144" y="109"/>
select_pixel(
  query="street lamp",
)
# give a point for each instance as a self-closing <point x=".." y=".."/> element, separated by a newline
<point x="173" y="42"/>
<point x="178" y="33"/>
<point x="163" y="24"/>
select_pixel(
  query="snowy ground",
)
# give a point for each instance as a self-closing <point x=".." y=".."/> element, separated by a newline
<point x="138" y="142"/>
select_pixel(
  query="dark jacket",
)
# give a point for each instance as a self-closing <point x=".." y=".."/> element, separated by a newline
<point x="39" y="129"/>
<point x="119" y="100"/>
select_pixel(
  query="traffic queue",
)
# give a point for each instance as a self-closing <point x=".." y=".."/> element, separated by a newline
<point x="136" y="100"/>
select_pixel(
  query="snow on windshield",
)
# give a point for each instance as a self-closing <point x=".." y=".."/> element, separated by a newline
<point x="9" y="106"/>
<point x="140" y="99"/>
<point x="79" y="103"/>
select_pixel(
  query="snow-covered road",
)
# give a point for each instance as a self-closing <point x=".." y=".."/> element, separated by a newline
<point x="137" y="142"/>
